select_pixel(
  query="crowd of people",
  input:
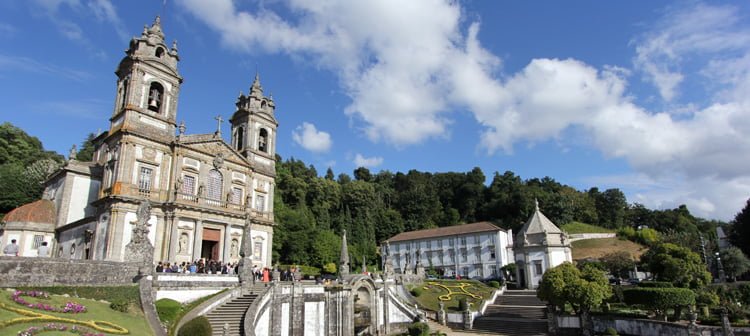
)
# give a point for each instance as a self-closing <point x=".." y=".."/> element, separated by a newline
<point x="202" y="266"/>
<point x="198" y="266"/>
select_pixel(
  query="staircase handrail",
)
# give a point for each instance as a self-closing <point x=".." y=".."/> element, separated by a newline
<point x="487" y="303"/>
<point x="251" y="315"/>
<point x="207" y="306"/>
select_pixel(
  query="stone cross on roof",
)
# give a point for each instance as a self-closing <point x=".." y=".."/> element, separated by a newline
<point x="218" y="124"/>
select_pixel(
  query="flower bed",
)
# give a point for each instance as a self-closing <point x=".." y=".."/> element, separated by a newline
<point x="70" y="307"/>
<point x="31" y="331"/>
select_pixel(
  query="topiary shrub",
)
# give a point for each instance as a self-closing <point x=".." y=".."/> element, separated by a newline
<point x="462" y="304"/>
<point x="416" y="291"/>
<point x="168" y="310"/>
<point x="120" y="305"/>
<point x="660" y="299"/>
<point x="198" y="326"/>
<point x="419" y="329"/>
<point x="494" y="284"/>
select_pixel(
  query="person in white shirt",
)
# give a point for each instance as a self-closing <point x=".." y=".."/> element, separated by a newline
<point x="43" y="250"/>
<point x="11" y="249"/>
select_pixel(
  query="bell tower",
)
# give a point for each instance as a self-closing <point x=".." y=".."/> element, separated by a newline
<point x="148" y="85"/>
<point x="254" y="124"/>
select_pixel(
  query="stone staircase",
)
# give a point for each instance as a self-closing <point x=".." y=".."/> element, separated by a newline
<point x="515" y="313"/>
<point x="232" y="313"/>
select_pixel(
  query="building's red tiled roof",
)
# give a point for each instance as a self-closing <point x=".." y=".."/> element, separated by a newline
<point x="445" y="231"/>
<point x="41" y="211"/>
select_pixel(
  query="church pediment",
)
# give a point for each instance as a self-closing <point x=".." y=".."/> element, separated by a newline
<point x="210" y="145"/>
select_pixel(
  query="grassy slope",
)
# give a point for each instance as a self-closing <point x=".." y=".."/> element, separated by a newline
<point x="578" y="227"/>
<point x="595" y="248"/>
<point x="429" y="297"/>
<point x="96" y="310"/>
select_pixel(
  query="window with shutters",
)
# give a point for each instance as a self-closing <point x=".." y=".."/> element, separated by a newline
<point x="214" y="185"/>
<point x="188" y="184"/>
<point x="236" y="195"/>
<point x="144" y="179"/>
<point x="260" y="202"/>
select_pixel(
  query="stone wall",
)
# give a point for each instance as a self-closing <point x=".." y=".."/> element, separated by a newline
<point x="189" y="287"/>
<point x="29" y="271"/>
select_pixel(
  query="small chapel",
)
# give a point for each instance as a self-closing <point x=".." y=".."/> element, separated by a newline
<point x="209" y="198"/>
<point x="539" y="246"/>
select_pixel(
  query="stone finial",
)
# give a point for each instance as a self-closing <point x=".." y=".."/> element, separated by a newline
<point x="73" y="152"/>
<point x="181" y="128"/>
<point x="536" y="204"/>
<point x="174" y="46"/>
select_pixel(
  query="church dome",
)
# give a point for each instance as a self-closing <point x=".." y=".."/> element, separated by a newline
<point x="40" y="212"/>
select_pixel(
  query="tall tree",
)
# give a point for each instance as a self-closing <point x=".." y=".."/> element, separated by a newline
<point x="740" y="229"/>
<point x="86" y="153"/>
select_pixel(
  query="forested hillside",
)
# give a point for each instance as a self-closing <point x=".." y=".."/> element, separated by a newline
<point x="312" y="211"/>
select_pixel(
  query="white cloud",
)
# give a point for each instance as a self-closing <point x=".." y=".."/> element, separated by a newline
<point x="400" y="99"/>
<point x="105" y="11"/>
<point x="406" y="65"/>
<point x="307" y="136"/>
<point x="371" y="162"/>
<point x="683" y="34"/>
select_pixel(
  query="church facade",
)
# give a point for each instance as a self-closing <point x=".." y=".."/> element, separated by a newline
<point x="210" y="199"/>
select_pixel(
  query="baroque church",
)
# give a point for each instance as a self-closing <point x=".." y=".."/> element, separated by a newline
<point x="209" y="199"/>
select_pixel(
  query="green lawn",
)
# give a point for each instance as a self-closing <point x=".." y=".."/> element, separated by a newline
<point x="578" y="227"/>
<point x="133" y="321"/>
<point x="431" y="290"/>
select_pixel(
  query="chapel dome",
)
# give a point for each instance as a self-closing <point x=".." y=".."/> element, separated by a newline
<point x="40" y="212"/>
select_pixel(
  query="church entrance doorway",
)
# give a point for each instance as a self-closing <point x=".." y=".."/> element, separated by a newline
<point x="210" y="244"/>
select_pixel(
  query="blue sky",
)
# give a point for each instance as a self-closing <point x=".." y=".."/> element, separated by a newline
<point x="649" y="97"/>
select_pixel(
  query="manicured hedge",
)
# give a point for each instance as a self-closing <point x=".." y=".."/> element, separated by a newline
<point x="659" y="299"/>
<point x="655" y="284"/>
<point x="168" y="310"/>
<point x="198" y="326"/>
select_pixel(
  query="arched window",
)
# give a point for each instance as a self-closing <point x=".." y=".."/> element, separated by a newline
<point x="263" y="140"/>
<point x="263" y="104"/>
<point x="159" y="52"/>
<point x="240" y="138"/>
<point x="124" y="97"/>
<point x="155" y="97"/>
<point x="214" y="185"/>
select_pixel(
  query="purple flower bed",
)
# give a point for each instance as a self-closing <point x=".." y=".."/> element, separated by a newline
<point x="70" y="307"/>
<point x="31" y="331"/>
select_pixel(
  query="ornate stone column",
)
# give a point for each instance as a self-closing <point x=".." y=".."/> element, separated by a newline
<point x="247" y="278"/>
<point x="172" y="224"/>
<point x="198" y="239"/>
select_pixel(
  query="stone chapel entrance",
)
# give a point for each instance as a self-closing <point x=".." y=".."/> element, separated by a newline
<point x="210" y="244"/>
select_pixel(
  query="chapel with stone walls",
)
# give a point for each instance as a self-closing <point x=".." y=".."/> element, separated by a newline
<point x="210" y="199"/>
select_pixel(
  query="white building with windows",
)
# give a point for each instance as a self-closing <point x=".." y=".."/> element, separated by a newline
<point x="207" y="195"/>
<point x="475" y="251"/>
<point x="539" y="246"/>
